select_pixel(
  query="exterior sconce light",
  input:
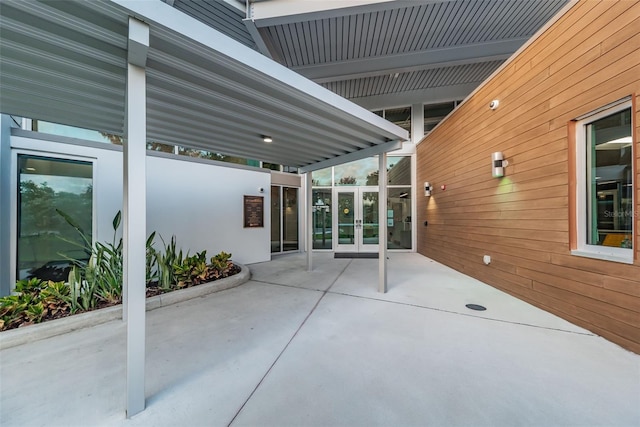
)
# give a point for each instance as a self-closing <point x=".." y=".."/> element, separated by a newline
<point x="498" y="164"/>
<point x="427" y="189"/>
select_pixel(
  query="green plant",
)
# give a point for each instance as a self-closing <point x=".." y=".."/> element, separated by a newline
<point x="221" y="263"/>
<point x="35" y="312"/>
<point x="152" y="260"/>
<point x="13" y="310"/>
<point x="32" y="301"/>
<point x="192" y="271"/>
<point x="100" y="278"/>
<point x="56" y="297"/>
<point x="165" y="264"/>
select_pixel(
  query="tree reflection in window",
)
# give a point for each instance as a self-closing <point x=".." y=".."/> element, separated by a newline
<point x="46" y="241"/>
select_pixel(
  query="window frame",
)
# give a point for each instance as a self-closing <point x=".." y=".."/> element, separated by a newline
<point x="15" y="173"/>
<point x="582" y="248"/>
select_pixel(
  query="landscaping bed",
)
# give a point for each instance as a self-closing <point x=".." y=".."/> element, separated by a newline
<point x="23" y="335"/>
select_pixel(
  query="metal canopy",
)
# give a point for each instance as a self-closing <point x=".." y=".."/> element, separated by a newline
<point x="65" y="62"/>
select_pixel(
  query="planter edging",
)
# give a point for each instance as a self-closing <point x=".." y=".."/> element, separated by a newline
<point x="51" y="328"/>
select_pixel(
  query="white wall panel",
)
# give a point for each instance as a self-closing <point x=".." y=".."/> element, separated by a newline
<point x="200" y="203"/>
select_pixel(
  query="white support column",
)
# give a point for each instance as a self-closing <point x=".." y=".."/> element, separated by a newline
<point x="6" y="261"/>
<point x="309" y="221"/>
<point x="382" y="223"/>
<point x="134" y="214"/>
<point x="417" y="123"/>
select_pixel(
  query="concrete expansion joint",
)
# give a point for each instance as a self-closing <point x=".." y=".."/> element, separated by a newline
<point x="463" y="314"/>
<point x="313" y="309"/>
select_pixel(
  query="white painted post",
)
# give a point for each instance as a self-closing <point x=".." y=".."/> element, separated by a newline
<point x="309" y="221"/>
<point x="134" y="214"/>
<point x="382" y="223"/>
<point x="417" y="123"/>
<point x="6" y="253"/>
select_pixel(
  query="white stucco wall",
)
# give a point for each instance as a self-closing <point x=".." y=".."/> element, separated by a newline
<point x="202" y="205"/>
<point x="199" y="202"/>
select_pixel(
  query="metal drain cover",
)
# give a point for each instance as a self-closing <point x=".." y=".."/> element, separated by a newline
<point x="476" y="307"/>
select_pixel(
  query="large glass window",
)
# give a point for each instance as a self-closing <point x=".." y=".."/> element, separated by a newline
<point x="360" y="172"/>
<point x="290" y="219"/>
<point x="399" y="218"/>
<point x="322" y="178"/>
<point x="400" y="117"/>
<point x="605" y="184"/>
<point x="276" y="244"/>
<point x="50" y="190"/>
<point x="284" y="219"/>
<point x="74" y="132"/>
<point x="322" y="223"/>
<point x="434" y="113"/>
<point x="363" y="173"/>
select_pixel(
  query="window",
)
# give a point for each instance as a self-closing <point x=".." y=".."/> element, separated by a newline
<point x="284" y="219"/>
<point x="322" y="223"/>
<point x="400" y="117"/>
<point x="604" y="202"/>
<point x="49" y="189"/>
<point x="74" y="132"/>
<point x="276" y="241"/>
<point x="364" y="173"/>
<point x="434" y="113"/>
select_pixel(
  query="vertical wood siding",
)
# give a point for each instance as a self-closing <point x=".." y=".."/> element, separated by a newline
<point x="587" y="59"/>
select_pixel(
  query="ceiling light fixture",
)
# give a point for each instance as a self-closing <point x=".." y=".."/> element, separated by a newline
<point x="266" y="138"/>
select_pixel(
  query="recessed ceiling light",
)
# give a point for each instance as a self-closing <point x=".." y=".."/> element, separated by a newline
<point x="31" y="169"/>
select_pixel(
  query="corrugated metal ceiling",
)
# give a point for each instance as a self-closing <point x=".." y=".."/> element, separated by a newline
<point x="408" y="29"/>
<point x="412" y="81"/>
<point x="65" y="62"/>
<point x="429" y="44"/>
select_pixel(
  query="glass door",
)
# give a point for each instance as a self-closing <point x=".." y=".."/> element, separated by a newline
<point x="356" y="219"/>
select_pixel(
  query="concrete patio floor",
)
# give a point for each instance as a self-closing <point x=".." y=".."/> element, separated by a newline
<point x="324" y="348"/>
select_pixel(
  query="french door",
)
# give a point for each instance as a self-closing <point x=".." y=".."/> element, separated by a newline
<point x="356" y="219"/>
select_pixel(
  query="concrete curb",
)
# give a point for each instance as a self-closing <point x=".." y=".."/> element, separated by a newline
<point x="19" y="336"/>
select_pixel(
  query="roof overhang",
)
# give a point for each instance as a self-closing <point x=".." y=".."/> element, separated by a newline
<point x="65" y="62"/>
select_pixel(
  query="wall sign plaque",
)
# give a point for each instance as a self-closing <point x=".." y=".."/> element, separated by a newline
<point x="253" y="211"/>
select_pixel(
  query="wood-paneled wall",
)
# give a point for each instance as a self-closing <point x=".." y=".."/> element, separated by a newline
<point x="588" y="58"/>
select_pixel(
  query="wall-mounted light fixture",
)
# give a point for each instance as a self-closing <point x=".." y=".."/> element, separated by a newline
<point x="428" y="188"/>
<point x="494" y="104"/>
<point x="267" y="138"/>
<point x="498" y="163"/>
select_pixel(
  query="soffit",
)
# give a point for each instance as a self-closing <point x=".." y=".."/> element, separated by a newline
<point x="65" y="62"/>
<point x="358" y="44"/>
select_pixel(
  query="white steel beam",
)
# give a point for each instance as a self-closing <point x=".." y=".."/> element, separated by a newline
<point x="134" y="217"/>
<point x="382" y="223"/>
<point x="279" y="12"/>
<point x="355" y="155"/>
<point x="257" y="37"/>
